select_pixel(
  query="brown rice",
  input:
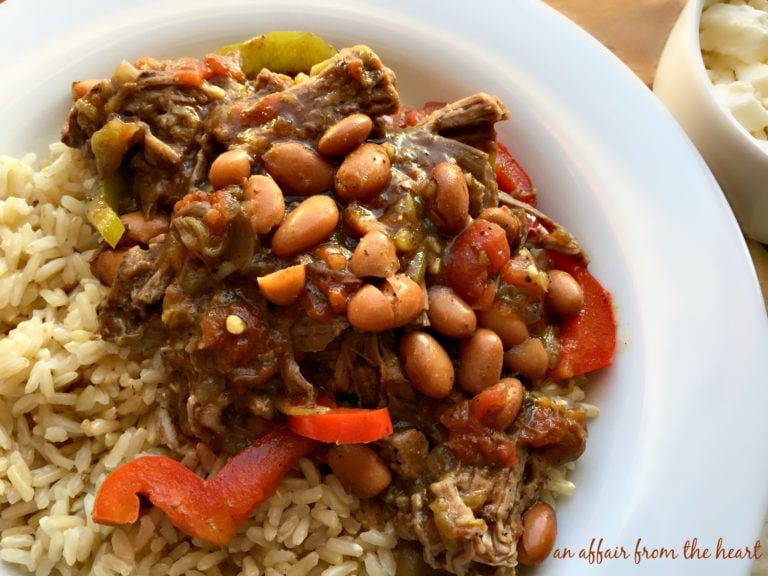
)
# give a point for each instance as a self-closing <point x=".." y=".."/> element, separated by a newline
<point x="73" y="408"/>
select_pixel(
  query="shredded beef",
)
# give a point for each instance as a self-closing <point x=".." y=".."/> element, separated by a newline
<point x="460" y="488"/>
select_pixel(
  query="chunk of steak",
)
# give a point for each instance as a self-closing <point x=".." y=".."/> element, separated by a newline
<point x="354" y="80"/>
<point x="183" y="126"/>
<point x="469" y="519"/>
<point x="462" y="132"/>
<point x="406" y="452"/>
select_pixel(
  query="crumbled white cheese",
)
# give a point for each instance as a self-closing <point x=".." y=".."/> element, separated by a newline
<point x="741" y="98"/>
<point x="755" y="74"/>
<point x="739" y="31"/>
<point x="721" y="75"/>
<point x="734" y="42"/>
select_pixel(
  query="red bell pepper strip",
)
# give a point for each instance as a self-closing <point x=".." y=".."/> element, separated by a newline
<point x="211" y="510"/>
<point x="343" y="425"/>
<point x="512" y="178"/>
<point x="587" y="340"/>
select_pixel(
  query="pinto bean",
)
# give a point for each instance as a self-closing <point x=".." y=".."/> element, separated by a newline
<point x="406" y="296"/>
<point x="565" y="297"/>
<point x="359" y="469"/>
<point x="449" y="314"/>
<point x="480" y="361"/>
<point x="284" y="286"/>
<point x="370" y="310"/>
<point x="230" y="168"/>
<point x="106" y="264"/>
<point x="399" y="301"/>
<point x="503" y="216"/>
<point x="310" y="223"/>
<point x="504" y="319"/>
<point x="539" y="533"/>
<point x="427" y="364"/>
<point x="138" y="230"/>
<point x="346" y="135"/>
<point x="298" y="169"/>
<point x="364" y="173"/>
<point x="375" y="255"/>
<point x="448" y="207"/>
<point x="263" y="203"/>
<point x="528" y="358"/>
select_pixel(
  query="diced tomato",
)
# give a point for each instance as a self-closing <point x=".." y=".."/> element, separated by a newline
<point x="81" y="88"/>
<point x="473" y="442"/>
<point x="497" y="406"/>
<point x="561" y="434"/>
<point x="475" y="258"/>
<point x="343" y="425"/>
<point x="410" y="116"/>
<point x="416" y="115"/>
<point x="587" y="340"/>
<point x="334" y="294"/>
<point x="193" y="72"/>
<point x="264" y="110"/>
<point x="315" y="303"/>
<point x="512" y="178"/>
<point x="237" y="349"/>
<point x="148" y="63"/>
<point x="225" y="66"/>
<point x="519" y="270"/>
<point x="189" y="71"/>
<point x="339" y="296"/>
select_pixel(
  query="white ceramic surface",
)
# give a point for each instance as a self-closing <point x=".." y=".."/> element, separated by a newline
<point x="678" y="452"/>
<point x="738" y="160"/>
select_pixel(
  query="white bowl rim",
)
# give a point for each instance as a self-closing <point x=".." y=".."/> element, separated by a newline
<point x="677" y="368"/>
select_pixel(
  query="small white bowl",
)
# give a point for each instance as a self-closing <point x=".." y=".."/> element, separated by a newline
<point x="737" y="159"/>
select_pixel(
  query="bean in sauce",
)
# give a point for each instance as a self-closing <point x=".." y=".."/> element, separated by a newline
<point x="480" y="361"/>
<point x="427" y="364"/>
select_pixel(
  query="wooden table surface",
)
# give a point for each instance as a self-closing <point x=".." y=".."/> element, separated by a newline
<point x="636" y="30"/>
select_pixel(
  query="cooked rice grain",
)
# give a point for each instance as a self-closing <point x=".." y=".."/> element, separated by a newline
<point x="73" y="408"/>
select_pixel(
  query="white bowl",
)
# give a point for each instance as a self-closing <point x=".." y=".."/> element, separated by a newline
<point x="679" y="449"/>
<point x="738" y="160"/>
